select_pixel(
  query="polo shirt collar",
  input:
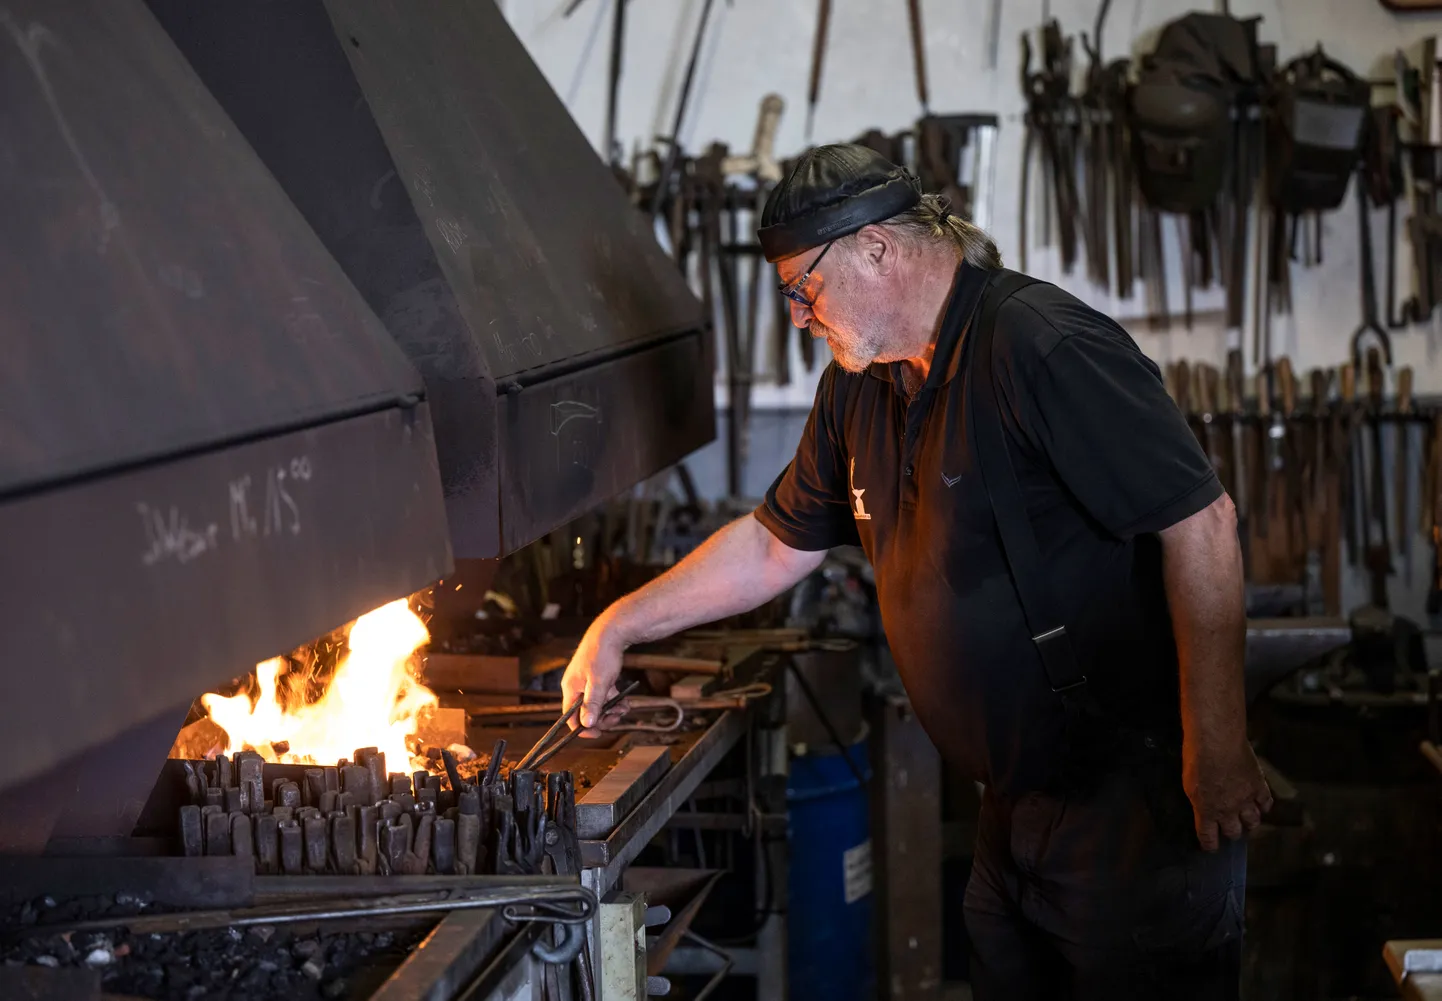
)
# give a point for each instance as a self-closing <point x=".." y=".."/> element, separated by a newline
<point x="966" y="290"/>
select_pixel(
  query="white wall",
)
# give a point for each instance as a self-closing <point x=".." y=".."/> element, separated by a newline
<point x="759" y="46"/>
<point x="755" y="47"/>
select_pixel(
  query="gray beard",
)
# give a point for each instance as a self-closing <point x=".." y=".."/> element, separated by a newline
<point x="846" y="358"/>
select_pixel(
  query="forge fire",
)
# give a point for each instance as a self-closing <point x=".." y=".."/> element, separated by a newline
<point x="374" y="698"/>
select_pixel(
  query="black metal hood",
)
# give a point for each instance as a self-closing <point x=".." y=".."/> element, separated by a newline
<point x="564" y="357"/>
<point x="211" y="449"/>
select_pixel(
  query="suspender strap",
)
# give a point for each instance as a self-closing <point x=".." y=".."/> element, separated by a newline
<point x="1018" y="541"/>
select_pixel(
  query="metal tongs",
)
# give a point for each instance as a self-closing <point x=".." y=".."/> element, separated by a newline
<point x="540" y="753"/>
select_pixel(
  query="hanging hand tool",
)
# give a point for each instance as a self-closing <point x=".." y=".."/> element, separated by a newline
<point x="1370" y="318"/>
<point x="1326" y="500"/>
<point x="993" y="34"/>
<point x="614" y="150"/>
<point x="673" y="143"/>
<point x="1402" y="467"/>
<point x="1235" y="403"/>
<point x="1208" y="381"/>
<point x="1433" y="507"/>
<point x="918" y="54"/>
<point x="1345" y="419"/>
<point x="1379" y="554"/>
<point x="818" y="57"/>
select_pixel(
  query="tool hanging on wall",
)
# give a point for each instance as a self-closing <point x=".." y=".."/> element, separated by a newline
<point x="818" y="58"/>
<point x="918" y="54"/>
<point x="673" y="141"/>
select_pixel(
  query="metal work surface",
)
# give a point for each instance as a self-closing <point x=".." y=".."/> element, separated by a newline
<point x="448" y="958"/>
<point x="175" y="577"/>
<point x="564" y="357"/>
<point x="159" y="293"/>
<point x="1277" y="647"/>
<point x="636" y="831"/>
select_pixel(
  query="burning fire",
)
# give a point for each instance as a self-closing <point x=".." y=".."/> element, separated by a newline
<point x="373" y="700"/>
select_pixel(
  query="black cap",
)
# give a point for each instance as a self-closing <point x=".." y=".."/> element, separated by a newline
<point x="831" y="192"/>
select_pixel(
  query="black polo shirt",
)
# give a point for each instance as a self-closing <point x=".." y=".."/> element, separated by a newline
<point x="1105" y="461"/>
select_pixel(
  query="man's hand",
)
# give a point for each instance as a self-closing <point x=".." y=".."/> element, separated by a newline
<point x="1227" y="790"/>
<point x="593" y="672"/>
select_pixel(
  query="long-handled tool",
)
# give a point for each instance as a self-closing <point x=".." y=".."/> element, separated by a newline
<point x="673" y="145"/>
<point x="918" y="54"/>
<point x="818" y="59"/>
<point x="1402" y="467"/>
<point x="544" y="750"/>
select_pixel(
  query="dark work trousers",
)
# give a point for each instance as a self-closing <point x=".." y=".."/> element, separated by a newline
<point x="1081" y="897"/>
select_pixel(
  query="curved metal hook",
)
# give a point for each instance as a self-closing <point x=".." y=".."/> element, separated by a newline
<point x="1383" y="341"/>
<point x="574" y="936"/>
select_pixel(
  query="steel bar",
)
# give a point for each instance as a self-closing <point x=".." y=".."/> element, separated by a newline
<point x="448" y="959"/>
<point x="217" y="833"/>
<point x="291" y="853"/>
<point x="343" y="844"/>
<point x="192" y="835"/>
<point x="267" y="845"/>
<point x="637" y="830"/>
<point x="241" y="841"/>
<point x="568" y="905"/>
<point x="445" y="846"/>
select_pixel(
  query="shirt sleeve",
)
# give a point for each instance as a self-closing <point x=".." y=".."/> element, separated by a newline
<point x="1101" y="414"/>
<point x="807" y="506"/>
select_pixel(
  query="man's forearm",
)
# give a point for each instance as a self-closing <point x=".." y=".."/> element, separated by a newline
<point x="1202" y="570"/>
<point x="738" y="568"/>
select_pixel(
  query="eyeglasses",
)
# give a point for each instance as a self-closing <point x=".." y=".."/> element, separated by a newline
<point x="792" y="290"/>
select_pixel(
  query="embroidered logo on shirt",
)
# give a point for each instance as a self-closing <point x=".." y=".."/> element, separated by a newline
<point x="859" y="509"/>
<point x="951" y="481"/>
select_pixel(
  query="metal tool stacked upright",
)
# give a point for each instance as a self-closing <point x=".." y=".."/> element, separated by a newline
<point x="355" y="819"/>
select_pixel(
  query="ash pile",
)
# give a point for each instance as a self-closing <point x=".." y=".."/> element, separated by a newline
<point x="357" y="819"/>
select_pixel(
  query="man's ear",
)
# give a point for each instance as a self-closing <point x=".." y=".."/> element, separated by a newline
<point x="878" y="247"/>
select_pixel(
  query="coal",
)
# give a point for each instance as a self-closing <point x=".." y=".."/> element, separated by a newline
<point x="221" y="963"/>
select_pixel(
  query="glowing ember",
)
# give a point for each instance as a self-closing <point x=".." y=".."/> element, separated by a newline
<point x="372" y="701"/>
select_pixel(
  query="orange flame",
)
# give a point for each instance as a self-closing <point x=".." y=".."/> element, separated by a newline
<point x="373" y="700"/>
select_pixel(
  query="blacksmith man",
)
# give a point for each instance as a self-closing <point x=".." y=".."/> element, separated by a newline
<point x="1059" y="575"/>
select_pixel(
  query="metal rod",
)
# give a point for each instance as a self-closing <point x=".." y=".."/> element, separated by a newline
<point x="555" y="728"/>
<point x="572" y="905"/>
<point x="673" y="147"/>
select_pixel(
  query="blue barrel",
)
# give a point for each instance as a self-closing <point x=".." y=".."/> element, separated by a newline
<point x="829" y="898"/>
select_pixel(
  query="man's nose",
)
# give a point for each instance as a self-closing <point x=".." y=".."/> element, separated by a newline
<point x="800" y="315"/>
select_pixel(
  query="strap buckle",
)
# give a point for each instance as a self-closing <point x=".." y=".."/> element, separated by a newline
<point x="1050" y="636"/>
